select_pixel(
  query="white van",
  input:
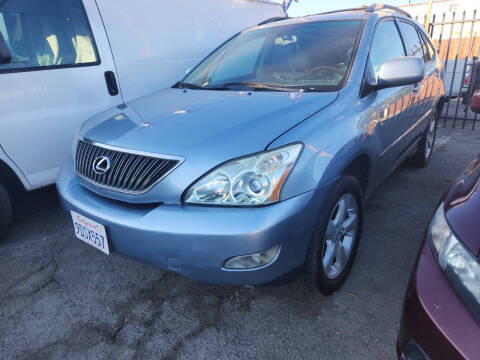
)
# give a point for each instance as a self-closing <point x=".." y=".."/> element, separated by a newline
<point x="457" y="81"/>
<point x="62" y="61"/>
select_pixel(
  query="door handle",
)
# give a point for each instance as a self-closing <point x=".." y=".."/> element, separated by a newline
<point x="111" y="83"/>
<point x="416" y="87"/>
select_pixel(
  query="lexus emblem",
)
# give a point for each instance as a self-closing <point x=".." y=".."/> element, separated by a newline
<point x="101" y="165"/>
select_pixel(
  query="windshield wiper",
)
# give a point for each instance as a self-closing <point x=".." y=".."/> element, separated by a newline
<point x="259" y="86"/>
<point x="227" y="86"/>
<point x="185" y="85"/>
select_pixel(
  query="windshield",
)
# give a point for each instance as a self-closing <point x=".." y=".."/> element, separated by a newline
<point x="312" y="56"/>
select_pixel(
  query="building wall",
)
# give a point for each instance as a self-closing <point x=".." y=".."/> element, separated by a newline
<point x="418" y="11"/>
<point x="464" y="36"/>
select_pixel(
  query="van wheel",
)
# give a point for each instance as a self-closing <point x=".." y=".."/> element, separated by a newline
<point x="425" y="147"/>
<point x="5" y="210"/>
<point x="335" y="238"/>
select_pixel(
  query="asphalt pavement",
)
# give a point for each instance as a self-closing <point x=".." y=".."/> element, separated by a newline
<point x="62" y="299"/>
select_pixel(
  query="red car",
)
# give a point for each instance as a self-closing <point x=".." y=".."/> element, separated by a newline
<point x="441" y="314"/>
<point x="475" y="104"/>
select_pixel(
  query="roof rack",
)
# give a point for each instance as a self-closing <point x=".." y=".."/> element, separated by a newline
<point x="376" y="7"/>
<point x="273" y="19"/>
<point x="371" y="8"/>
<point x="362" y="8"/>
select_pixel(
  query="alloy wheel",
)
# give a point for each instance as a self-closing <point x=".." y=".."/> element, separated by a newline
<point x="340" y="236"/>
<point x="430" y="138"/>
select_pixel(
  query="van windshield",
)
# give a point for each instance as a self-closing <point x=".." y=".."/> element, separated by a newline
<point x="312" y="56"/>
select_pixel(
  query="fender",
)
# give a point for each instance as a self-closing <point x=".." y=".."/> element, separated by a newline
<point x="16" y="170"/>
<point x="333" y="138"/>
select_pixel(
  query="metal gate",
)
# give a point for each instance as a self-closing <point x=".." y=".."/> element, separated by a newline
<point x="457" y="40"/>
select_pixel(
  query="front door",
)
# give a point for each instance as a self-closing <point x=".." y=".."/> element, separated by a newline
<point x="389" y="107"/>
<point x="54" y="81"/>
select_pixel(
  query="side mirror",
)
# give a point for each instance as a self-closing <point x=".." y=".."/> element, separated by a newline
<point x="399" y="71"/>
<point x="5" y="56"/>
<point x="475" y="103"/>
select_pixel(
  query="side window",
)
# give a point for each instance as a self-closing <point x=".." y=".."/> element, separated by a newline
<point x="412" y="41"/>
<point x="430" y="48"/>
<point x="386" y="44"/>
<point x="45" y="33"/>
<point x="426" y="55"/>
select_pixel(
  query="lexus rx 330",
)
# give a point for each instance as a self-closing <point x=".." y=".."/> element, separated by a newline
<point x="256" y="164"/>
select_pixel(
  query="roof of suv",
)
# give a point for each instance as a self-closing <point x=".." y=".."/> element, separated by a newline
<point x="345" y="14"/>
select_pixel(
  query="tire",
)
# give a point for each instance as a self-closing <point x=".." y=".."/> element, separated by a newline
<point x="324" y="274"/>
<point x="424" y="151"/>
<point x="5" y="210"/>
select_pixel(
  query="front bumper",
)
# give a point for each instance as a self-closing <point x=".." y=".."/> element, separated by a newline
<point x="195" y="241"/>
<point x="435" y="323"/>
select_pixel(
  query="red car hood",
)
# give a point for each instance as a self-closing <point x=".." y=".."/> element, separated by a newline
<point x="462" y="206"/>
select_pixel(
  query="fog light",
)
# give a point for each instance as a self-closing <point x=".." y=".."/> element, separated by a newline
<point x="253" y="261"/>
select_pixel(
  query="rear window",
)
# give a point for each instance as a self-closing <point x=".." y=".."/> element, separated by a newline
<point x="46" y="33"/>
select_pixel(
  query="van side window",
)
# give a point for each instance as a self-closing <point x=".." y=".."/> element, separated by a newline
<point x="412" y="41"/>
<point x="386" y="44"/>
<point x="46" y="33"/>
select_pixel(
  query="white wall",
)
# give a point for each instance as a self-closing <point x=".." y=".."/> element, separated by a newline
<point x="419" y="10"/>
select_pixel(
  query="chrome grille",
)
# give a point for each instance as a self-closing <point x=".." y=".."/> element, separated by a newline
<point x="129" y="172"/>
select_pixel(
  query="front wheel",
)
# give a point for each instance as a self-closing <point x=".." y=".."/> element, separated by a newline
<point x="335" y="239"/>
<point x="5" y="210"/>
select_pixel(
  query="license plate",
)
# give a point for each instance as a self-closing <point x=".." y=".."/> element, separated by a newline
<point x="90" y="231"/>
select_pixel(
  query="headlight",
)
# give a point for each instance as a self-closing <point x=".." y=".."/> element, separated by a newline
<point x="252" y="180"/>
<point x="459" y="264"/>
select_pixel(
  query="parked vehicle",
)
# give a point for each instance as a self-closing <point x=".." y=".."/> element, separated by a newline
<point x="66" y="60"/>
<point x="441" y="313"/>
<point x="457" y="77"/>
<point x="473" y="83"/>
<point x="475" y="103"/>
<point x="256" y="164"/>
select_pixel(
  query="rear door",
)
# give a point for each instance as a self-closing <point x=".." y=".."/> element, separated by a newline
<point x="431" y="71"/>
<point x="419" y="105"/>
<point x="54" y="81"/>
<point x="432" y="64"/>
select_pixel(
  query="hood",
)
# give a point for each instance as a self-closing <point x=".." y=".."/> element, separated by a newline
<point x="183" y="122"/>
<point x="204" y="127"/>
<point x="462" y="206"/>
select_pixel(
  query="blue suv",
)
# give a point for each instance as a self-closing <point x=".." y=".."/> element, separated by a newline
<point x="257" y="163"/>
